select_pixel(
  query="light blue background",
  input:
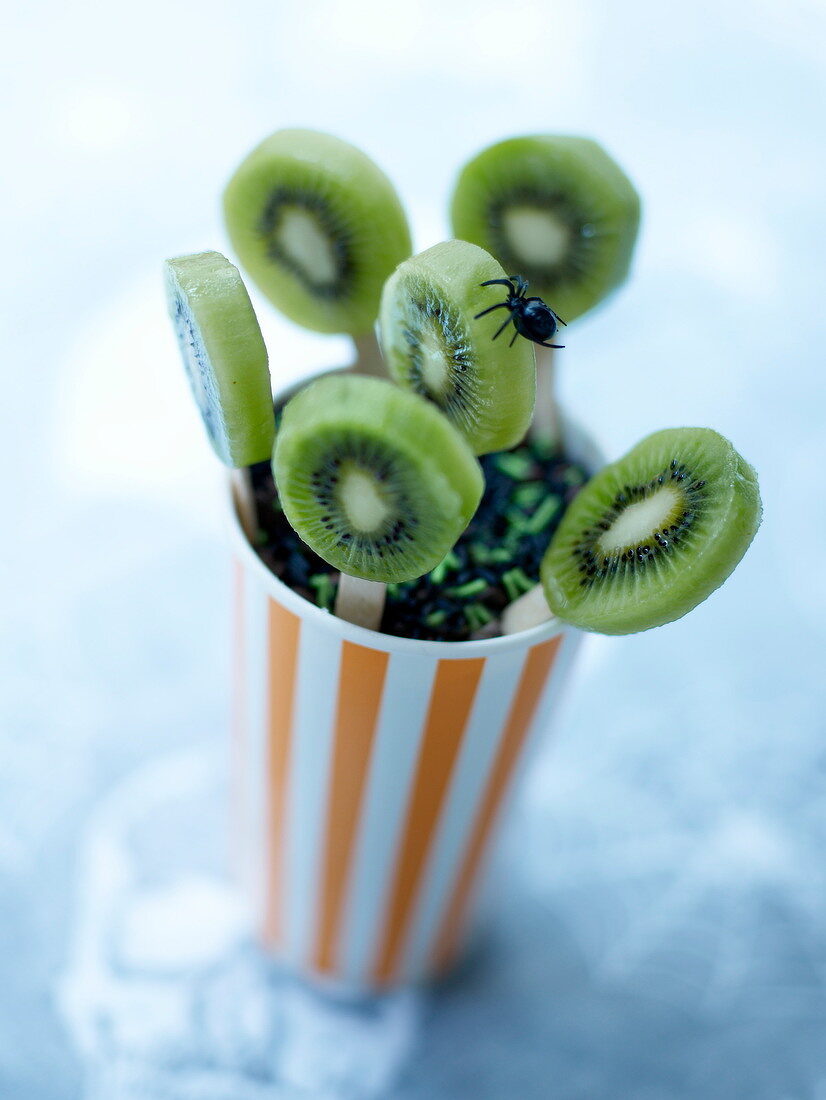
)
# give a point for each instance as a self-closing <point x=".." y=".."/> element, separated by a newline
<point x="665" y="928"/>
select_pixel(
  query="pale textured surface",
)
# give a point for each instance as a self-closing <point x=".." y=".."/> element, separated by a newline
<point x="663" y="929"/>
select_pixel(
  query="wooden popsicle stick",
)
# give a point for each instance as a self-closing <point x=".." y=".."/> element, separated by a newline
<point x="546" y="426"/>
<point x="368" y="356"/>
<point x="244" y="498"/>
<point x="531" y="609"/>
<point x="360" y="602"/>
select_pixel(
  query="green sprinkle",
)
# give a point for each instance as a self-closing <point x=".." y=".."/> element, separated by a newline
<point x="516" y="583"/>
<point x="472" y="588"/>
<point x="514" y="464"/>
<point x="393" y="590"/>
<point x="445" y="566"/>
<point x="543" y="515"/>
<point x="435" y="618"/>
<point x="517" y="523"/>
<point x="438" y="574"/>
<point x="500" y="555"/>
<point x="572" y="476"/>
<point x="490" y="555"/>
<point x="325" y="590"/>
<point x="527" y="496"/>
<point x="477" y="616"/>
<point x="545" y="448"/>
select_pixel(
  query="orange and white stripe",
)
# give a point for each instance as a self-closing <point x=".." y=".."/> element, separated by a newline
<point x="370" y="774"/>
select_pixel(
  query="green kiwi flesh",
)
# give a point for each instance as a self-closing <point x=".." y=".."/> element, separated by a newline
<point x="556" y="210"/>
<point x="318" y="227"/>
<point x="223" y="354"/>
<point x="652" y="535"/>
<point x="373" y="478"/>
<point x="433" y="346"/>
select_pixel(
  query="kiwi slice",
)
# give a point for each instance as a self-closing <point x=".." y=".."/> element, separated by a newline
<point x="224" y="355"/>
<point x="374" y="479"/>
<point x="556" y="210"/>
<point x="318" y="227"/>
<point x="433" y="345"/>
<point x="651" y="536"/>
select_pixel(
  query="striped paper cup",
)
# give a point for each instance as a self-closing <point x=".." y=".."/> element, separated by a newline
<point x="370" y="773"/>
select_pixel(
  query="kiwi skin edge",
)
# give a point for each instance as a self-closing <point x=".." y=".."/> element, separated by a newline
<point x="223" y="344"/>
<point x="736" y="520"/>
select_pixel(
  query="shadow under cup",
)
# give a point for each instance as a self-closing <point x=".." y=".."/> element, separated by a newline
<point x="370" y="775"/>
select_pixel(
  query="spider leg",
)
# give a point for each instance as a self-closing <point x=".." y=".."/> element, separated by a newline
<point x="542" y="344"/>
<point x="499" y="282"/>
<point x="499" y="305"/>
<point x="513" y="341"/>
<point x="521" y="285"/>
<point x="502" y="329"/>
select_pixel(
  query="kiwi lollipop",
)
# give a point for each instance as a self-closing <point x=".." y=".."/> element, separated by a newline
<point x="373" y="478"/>
<point x="556" y="210"/>
<point x="223" y="354"/>
<point x="652" y="535"/>
<point x="433" y="344"/>
<point x="318" y="227"/>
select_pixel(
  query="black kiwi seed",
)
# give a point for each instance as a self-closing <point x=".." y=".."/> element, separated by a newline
<point x="639" y="556"/>
<point x="459" y="396"/>
<point x="577" y="256"/>
<point x="568" y="183"/>
<point x="282" y="200"/>
<point x="327" y="473"/>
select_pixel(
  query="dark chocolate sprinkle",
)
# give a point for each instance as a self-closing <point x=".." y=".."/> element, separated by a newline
<point x="495" y="543"/>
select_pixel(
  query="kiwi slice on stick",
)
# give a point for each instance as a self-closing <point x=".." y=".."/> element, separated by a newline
<point x="556" y="210"/>
<point x="224" y="355"/>
<point x="374" y="479"/>
<point x="652" y="535"/>
<point x="433" y="346"/>
<point x="318" y="227"/>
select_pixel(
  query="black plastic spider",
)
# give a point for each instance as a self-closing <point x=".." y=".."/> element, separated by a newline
<point x="531" y="317"/>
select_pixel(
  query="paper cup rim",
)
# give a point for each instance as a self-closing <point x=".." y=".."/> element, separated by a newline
<point x="580" y="444"/>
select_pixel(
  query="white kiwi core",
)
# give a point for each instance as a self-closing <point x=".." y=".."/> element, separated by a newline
<point x="536" y="236"/>
<point x="434" y="367"/>
<point x="305" y="242"/>
<point x="637" y="522"/>
<point x="362" y="500"/>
